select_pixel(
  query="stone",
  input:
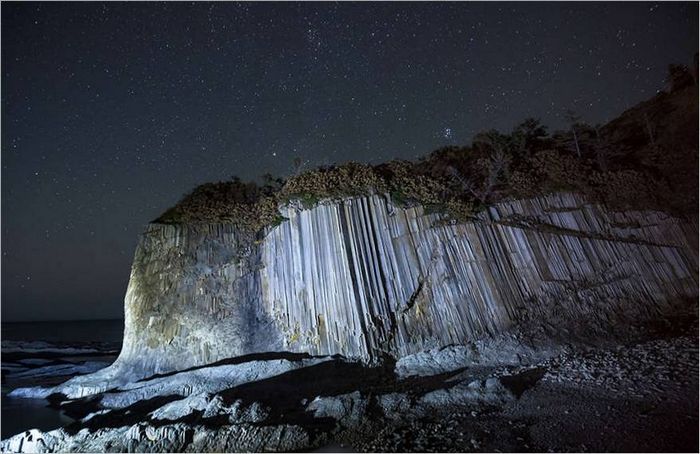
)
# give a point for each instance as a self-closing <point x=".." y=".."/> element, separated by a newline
<point x="362" y="278"/>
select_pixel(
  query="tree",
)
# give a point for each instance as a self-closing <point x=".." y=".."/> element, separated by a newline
<point x="526" y="139"/>
<point x="602" y="150"/>
<point x="532" y="131"/>
<point x="650" y="128"/>
<point x="271" y="184"/>
<point x="492" y="141"/>
<point x="574" y="120"/>
<point x="679" y="76"/>
<point x="489" y="169"/>
<point x="298" y="165"/>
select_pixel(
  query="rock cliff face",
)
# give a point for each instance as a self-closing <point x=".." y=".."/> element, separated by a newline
<point x="362" y="277"/>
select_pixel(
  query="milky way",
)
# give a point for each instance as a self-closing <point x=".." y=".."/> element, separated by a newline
<point x="111" y="112"/>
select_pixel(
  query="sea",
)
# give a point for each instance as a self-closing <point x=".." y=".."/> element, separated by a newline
<point x="46" y="354"/>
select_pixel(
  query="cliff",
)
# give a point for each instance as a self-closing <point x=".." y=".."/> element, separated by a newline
<point x="365" y="261"/>
<point x="362" y="277"/>
<point x="219" y="327"/>
<point x="348" y="301"/>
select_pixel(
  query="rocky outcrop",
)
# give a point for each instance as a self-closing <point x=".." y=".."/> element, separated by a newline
<point x="638" y="396"/>
<point x="177" y="437"/>
<point x="362" y="277"/>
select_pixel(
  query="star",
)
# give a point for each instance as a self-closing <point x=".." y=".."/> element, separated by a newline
<point x="133" y="105"/>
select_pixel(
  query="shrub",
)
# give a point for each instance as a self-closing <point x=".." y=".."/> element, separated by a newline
<point x="459" y="181"/>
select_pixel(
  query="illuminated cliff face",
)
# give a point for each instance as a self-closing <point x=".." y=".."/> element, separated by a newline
<point x="193" y="298"/>
<point x="362" y="277"/>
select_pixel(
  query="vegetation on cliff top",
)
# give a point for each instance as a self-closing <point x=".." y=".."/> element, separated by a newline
<point x="645" y="159"/>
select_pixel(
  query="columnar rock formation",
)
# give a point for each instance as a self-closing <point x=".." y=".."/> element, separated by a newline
<point x="362" y="277"/>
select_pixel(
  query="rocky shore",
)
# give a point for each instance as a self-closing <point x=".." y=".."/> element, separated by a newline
<point x="632" y="390"/>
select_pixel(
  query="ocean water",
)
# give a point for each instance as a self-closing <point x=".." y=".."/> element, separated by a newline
<point x="65" y="331"/>
<point x="27" y="347"/>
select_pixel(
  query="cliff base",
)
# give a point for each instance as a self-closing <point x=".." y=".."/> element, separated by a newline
<point x="538" y="388"/>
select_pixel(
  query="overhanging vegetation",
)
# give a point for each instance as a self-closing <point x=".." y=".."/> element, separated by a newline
<point x="645" y="159"/>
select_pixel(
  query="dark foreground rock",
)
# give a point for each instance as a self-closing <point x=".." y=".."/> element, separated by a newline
<point x="637" y="392"/>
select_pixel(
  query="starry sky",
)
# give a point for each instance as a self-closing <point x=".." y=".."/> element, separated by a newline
<point x="112" y="111"/>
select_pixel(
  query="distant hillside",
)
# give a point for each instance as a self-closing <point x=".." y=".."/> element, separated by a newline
<point x="647" y="158"/>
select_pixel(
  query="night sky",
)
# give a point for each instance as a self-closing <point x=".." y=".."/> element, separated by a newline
<point x="111" y="112"/>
